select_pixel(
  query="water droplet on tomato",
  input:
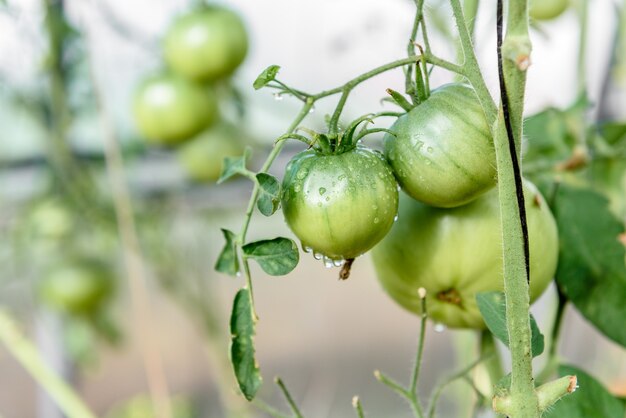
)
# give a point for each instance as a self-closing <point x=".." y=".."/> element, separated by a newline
<point x="317" y="256"/>
<point x="430" y="149"/>
<point x="395" y="218"/>
<point x="338" y="263"/>
<point x="328" y="263"/>
<point x="305" y="248"/>
<point x="322" y="190"/>
<point x="376" y="220"/>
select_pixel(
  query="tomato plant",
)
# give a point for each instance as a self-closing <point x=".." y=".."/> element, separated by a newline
<point x="456" y="253"/>
<point x="206" y="44"/>
<point x="203" y="156"/>
<point x="339" y="205"/>
<point x="547" y="9"/>
<point x="442" y="151"/>
<point x="169" y="109"/>
<point x="77" y="286"/>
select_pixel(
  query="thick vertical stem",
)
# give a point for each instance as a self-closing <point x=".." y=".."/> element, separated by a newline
<point x="513" y="60"/>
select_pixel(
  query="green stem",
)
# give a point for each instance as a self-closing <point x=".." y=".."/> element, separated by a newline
<point x="289" y="398"/>
<point x="28" y="356"/>
<point x="356" y="403"/>
<point x="582" y="46"/>
<point x="470" y="67"/>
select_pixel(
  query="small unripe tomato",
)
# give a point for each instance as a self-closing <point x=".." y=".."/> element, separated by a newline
<point x="339" y="205"/>
<point x="456" y="253"/>
<point x="546" y="9"/>
<point x="206" y="44"/>
<point x="203" y="156"/>
<point x="442" y="151"/>
<point x="77" y="286"/>
<point x="169" y="109"/>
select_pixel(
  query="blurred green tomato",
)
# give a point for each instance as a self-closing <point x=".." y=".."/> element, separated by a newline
<point x="169" y="109"/>
<point x="77" y="286"/>
<point x="546" y="9"/>
<point x="202" y="158"/>
<point x="206" y="44"/>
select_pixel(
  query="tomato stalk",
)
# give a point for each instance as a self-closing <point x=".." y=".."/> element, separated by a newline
<point x="31" y="360"/>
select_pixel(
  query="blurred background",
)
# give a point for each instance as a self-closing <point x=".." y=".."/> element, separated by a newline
<point x="66" y="94"/>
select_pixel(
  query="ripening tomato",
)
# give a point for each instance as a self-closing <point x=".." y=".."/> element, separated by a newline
<point x="339" y="205"/>
<point x="456" y="253"/>
<point x="169" y="109"/>
<point x="206" y="44"/>
<point x="442" y="152"/>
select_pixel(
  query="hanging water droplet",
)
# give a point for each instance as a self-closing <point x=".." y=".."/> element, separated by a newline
<point x="322" y="190"/>
<point x="317" y="255"/>
<point x="395" y="218"/>
<point x="398" y="187"/>
<point x="238" y="274"/>
<point x="312" y="109"/>
<point x="338" y="263"/>
<point x="328" y="263"/>
<point x="306" y="249"/>
<point x="278" y="97"/>
<point x="439" y="327"/>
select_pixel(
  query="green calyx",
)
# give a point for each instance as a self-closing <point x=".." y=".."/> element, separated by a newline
<point x="341" y="141"/>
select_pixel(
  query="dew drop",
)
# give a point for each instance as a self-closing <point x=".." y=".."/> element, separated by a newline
<point x="312" y="109"/>
<point x="306" y="249"/>
<point x="317" y="255"/>
<point x="327" y="198"/>
<point x="328" y="263"/>
<point x="438" y="327"/>
<point x="278" y="97"/>
<point x="395" y="218"/>
<point x="322" y="190"/>
<point x="428" y="162"/>
<point x="238" y="274"/>
<point x="430" y="149"/>
<point x="376" y="220"/>
<point x="338" y="263"/>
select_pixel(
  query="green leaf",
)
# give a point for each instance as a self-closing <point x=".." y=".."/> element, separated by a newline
<point x="591" y="400"/>
<point x="235" y="165"/>
<point x="276" y="256"/>
<point x="269" y="194"/>
<point x="493" y="309"/>
<point x="591" y="269"/>
<point x="267" y="75"/>
<point x="242" y="345"/>
<point x="228" y="262"/>
<point x="548" y="137"/>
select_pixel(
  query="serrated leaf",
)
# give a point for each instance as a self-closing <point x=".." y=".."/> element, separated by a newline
<point x="227" y="262"/>
<point x="492" y="307"/>
<point x="276" y="256"/>
<point x="235" y="165"/>
<point x="591" y="270"/>
<point x="242" y="350"/>
<point x="591" y="400"/>
<point x="267" y="75"/>
<point x="269" y="194"/>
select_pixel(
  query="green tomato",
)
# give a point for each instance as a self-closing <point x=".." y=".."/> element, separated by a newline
<point x="442" y="153"/>
<point x="340" y="205"/>
<point x="546" y="9"/>
<point x="207" y="44"/>
<point x="169" y="109"/>
<point x="50" y="220"/>
<point x="203" y="156"/>
<point x="456" y="253"/>
<point x="78" y="286"/>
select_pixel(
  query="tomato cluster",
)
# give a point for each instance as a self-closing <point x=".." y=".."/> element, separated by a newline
<point x="180" y="105"/>
<point x="341" y="199"/>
